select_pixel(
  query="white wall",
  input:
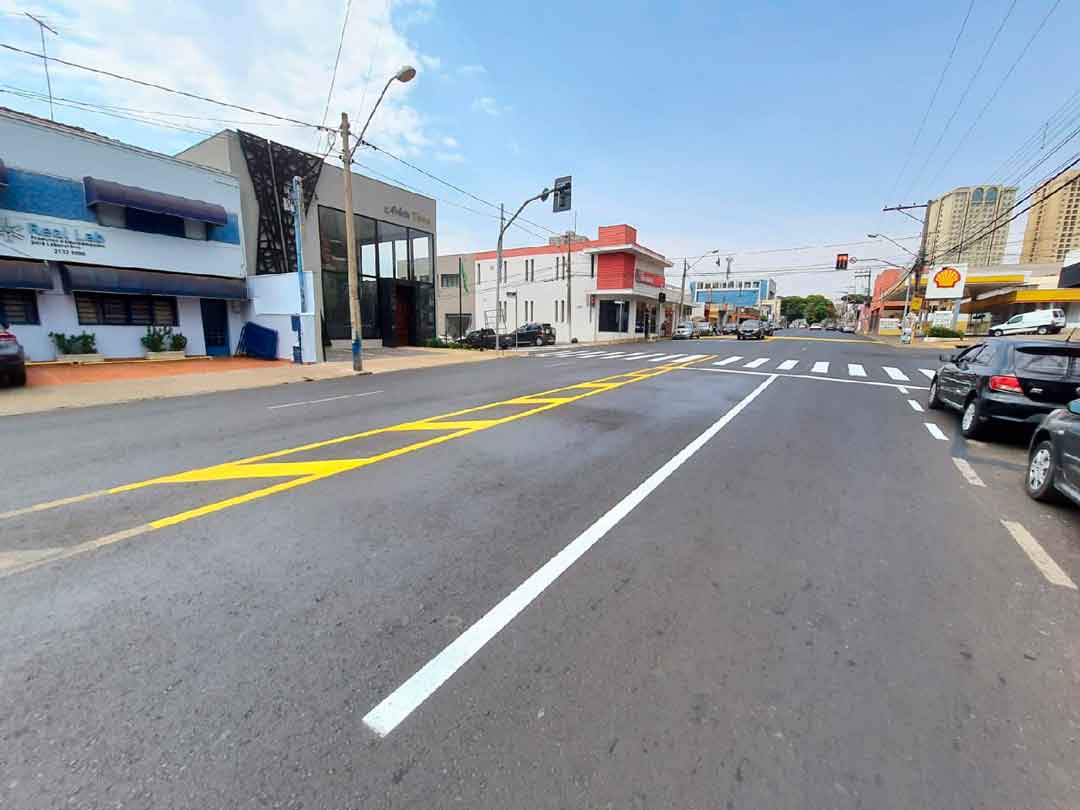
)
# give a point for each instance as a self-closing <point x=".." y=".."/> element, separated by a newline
<point x="274" y="300"/>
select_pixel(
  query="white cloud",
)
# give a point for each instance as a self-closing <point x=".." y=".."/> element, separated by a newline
<point x="486" y="104"/>
<point x="275" y="57"/>
<point x="450" y="142"/>
<point x="472" y="70"/>
<point x="450" y="157"/>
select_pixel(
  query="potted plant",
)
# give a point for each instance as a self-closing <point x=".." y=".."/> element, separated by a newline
<point x="157" y="338"/>
<point x="80" y="348"/>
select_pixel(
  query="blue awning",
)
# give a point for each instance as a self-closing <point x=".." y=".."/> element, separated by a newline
<point x="95" y="278"/>
<point x="19" y="274"/>
<point x="106" y="191"/>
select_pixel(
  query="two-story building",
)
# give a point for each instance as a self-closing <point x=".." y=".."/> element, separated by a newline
<point x="729" y="299"/>
<point x="108" y="239"/>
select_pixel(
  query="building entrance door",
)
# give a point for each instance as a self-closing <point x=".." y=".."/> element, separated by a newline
<point x="403" y="309"/>
<point x="215" y="324"/>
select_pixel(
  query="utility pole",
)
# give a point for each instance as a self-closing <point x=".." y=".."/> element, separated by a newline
<point x="45" y="58"/>
<point x="569" y="293"/>
<point x="682" y="295"/>
<point x="350" y="250"/>
<point x="498" y="273"/>
<point x="920" y="258"/>
<point x="296" y="199"/>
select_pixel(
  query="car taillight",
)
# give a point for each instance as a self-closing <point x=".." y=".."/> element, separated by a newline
<point x="1006" y="383"/>
<point x="7" y="337"/>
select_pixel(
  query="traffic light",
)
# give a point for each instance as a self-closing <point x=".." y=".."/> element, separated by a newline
<point x="561" y="196"/>
<point x="841" y="261"/>
<point x="661" y="297"/>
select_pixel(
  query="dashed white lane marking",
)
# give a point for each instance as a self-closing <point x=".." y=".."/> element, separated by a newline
<point x="788" y="365"/>
<point x="855" y="370"/>
<point x="317" y="401"/>
<point x="404" y="700"/>
<point x="935" y="431"/>
<point x="756" y="363"/>
<point x="968" y="472"/>
<point x="727" y="361"/>
<point x="928" y="373"/>
<point x="915" y="406"/>
<point x="896" y="374"/>
<point x="665" y="357"/>
<point x="558" y="365"/>
<point x="1043" y="561"/>
<point x="820" y="368"/>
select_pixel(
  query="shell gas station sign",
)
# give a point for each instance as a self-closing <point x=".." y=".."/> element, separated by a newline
<point x="946" y="281"/>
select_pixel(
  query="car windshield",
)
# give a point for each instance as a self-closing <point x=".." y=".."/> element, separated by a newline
<point x="751" y="324"/>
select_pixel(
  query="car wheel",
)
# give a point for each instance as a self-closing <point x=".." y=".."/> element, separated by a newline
<point x="1042" y="330"/>
<point x="933" y="401"/>
<point x="1039" y="481"/>
<point x="970" y="423"/>
<point x="539" y="341"/>
<point x="995" y="333"/>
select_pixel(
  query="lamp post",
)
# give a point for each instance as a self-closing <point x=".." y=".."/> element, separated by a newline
<point x="406" y="74"/>
<point x="686" y="268"/>
<point x="503" y="225"/>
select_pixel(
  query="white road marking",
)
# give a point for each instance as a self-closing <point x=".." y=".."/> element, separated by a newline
<point x="317" y="401"/>
<point x="819" y="378"/>
<point x="727" y="361"/>
<point x="1043" y="561"/>
<point x="613" y="354"/>
<point x="855" y="370"/>
<point x="820" y="368"/>
<point x="935" y="431"/>
<point x="694" y="357"/>
<point x="756" y="363"/>
<point x="404" y="700"/>
<point x="901" y="389"/>
<point x="896" y="374"/>
<point x="665" y="357"/>
<point x="928" y="373"/>
<point x="592" y="354"/>
<point x="558" y="365"/>
<point x="637" y="356"/>
<point x="968" y="472"/>
<point x="788" y="365"/>
<point x="915" y="406"/>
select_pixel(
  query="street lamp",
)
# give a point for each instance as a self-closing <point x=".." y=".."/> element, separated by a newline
<point x="883" y="236"/>
<point x="686" y="267"/>
<point x="405" y="74"/>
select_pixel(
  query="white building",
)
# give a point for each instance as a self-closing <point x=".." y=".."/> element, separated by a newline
<point x="590" y="290"/>
<point x="100" y="237"/>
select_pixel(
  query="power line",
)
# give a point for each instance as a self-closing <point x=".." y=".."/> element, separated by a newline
<point x="337" y="61"/>
<point x="1042" y="133"/>
<point x="963" y="96"/>
<point x="161" y="87"/>
<point x="994" y="95"/>
<point x="933" y="98"/>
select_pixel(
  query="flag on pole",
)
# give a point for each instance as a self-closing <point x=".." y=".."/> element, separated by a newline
<point x="464" y="281"/>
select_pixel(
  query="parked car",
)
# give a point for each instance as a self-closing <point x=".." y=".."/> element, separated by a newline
<point x="816" y="325"/>
<point x="1040" y="322"/>
<point x="684" y="331"/>
<point x="1006" y="381"/>
<point x="485" y="339"/>
<point x="849" y="329"/>
<point x="730" y="328"/>
<point x="768" y="326"/>
<point x="534" y="334"/>
<point x="751" y="329"/>
<point x="1054" y="456"/>
<point x="702" y="329"/>
<point x="12" y="357"/>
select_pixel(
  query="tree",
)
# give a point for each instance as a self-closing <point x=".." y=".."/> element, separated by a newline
<point x="818" y="308"/>
<point x="792" y="307"/>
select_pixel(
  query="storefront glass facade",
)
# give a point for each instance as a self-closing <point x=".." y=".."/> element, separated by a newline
<point x="385" y="251"/>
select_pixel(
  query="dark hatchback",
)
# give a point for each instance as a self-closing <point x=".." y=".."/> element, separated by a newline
<point x="485" y="339"/>
<point x="1006" y="382"/>
<point x="12" y="358"/>
<point x="751" y="329"/>
<point x="534" y="334"/>
<point x="1054" y="456"/>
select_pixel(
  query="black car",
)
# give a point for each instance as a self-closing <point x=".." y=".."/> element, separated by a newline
<point x="12" y="358"/>
<point x="1054" y="457"/>
<point x="485" y="339"/>
<point x="534" y="334"/>
<point x="1006" y="381"/>
<point x="751" y="329"/>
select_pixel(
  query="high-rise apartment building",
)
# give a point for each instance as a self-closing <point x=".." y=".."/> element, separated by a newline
<point x="960" y="225"/>
<point x="1051" y="230"/>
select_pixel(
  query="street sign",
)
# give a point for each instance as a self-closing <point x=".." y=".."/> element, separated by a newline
<point x="851" y="260"/>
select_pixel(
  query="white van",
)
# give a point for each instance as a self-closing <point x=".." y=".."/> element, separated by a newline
<point x="1041" y="321"/>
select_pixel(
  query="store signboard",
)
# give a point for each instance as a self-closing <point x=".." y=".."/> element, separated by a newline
<point x="889" y="326"/>
<point x="946" y="281"/>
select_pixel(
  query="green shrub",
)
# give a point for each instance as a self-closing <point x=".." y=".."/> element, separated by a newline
<point x="155" y="338"/>
<point x="943" y="332"/>
<point x="177" y="342"/>
<point x="82" y="343"/>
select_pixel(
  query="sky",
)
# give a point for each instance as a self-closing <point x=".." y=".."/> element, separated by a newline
<point x="773" y="132"/>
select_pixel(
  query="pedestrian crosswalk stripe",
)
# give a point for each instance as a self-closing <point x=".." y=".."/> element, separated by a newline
<point x="788" y="365"/>
<point x="820" y="368"/>
<point x="693" y="357"/>
<point x="855" y="370"/>
<point x="612" y="354"/>
<point x="928" y="373"/>
<point x="665" y="357"/>
<point x="896" y="374"/>
<point x="592" y="354"/>
<point x="637" y="355"/>
<point x="755" y="363"/>
<point x="727" y="361"/>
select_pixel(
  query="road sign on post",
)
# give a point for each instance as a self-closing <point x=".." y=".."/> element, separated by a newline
<point x="560" y="199"/>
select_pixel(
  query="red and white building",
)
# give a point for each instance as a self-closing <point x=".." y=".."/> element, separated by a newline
<point x="615" y="287"/>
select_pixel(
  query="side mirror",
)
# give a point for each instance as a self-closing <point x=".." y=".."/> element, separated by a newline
<point x="1074" y="407"/>
<point x="946" y="358"/>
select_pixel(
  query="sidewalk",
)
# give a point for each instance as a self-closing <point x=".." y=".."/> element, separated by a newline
<point x="51" y="386"/>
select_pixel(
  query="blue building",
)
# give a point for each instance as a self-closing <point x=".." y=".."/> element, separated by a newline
<point x="733" y="293"/>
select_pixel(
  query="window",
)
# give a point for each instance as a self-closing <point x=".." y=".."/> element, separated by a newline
<point x="991" y="196"/>
<point x="448" y="281"/>
<point x="125" y="310"/>
<point x="977" y="196"/>
<point x="420" y="245"/>
<point x="592" y="265"/>
<point x="1042" y="362"/>
<point x="614" y="316"/>
<point x="393" y="251"/>
<point x="148" y="222"/>
<point x="18" y="306"/>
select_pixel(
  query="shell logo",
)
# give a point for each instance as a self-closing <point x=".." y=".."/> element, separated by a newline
<point x="946" y="278"/>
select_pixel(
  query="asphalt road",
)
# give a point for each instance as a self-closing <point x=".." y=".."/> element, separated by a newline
<point x="696" y="582"/>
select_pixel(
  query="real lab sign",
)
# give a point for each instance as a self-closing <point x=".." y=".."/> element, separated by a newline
<point x="946" y="281"/>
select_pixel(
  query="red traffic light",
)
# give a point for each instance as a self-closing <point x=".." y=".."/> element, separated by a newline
<point x="841" y="261"/>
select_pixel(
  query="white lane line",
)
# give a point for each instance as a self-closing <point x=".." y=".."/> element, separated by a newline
<point x="756" y="363"/>
<point x="404" y="700"/>
<point x="935" y="431"/>
<point x="820" y="368"/>
<point x="819" y="378"/>
<point x="317" y="401"/>
<point x="928" y="373"/>
<point x="665" y="357"/>
<point x="896" y="374"/>
<point x="727" y="361"/>
<point x="968" y="472"/>
<point x="1043" y="561"/>
<point x="788" y="365"/>
<point x="855" y="370"/>
<point x="558" y="365"/>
